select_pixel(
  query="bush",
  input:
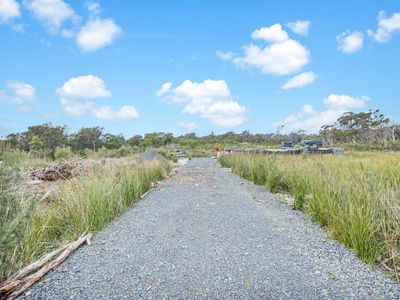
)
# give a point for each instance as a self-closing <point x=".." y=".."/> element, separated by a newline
<point x="124" y="150"/>
<point x="63" y="153"/>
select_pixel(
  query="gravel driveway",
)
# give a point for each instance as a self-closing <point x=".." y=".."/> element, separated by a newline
<point x="206" y="233"/>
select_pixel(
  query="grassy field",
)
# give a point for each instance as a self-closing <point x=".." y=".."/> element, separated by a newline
<point x="31" y="226"/>
<point x="356" y="196"/>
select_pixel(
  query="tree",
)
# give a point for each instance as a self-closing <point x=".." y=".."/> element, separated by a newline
<point x="362" y="126"/>
<point x="135" y="140"/>
<point x="111" y="141"/>
<point x="87" y="138"/>
<point x="36" y="145"/>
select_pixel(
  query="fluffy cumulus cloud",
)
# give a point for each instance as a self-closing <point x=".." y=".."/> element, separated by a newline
<point x="210" y="99"/>
<point x="58" y="17"/>
<point x="300" y="27"/>
<point x="78" y="93"/>
<point x="272" y="34"/>
<point x="311" y="120"/>
<point x="97" y="34"/>
<point x="345" y="102"/>
<point x="281" y="55"/>
<point x="20" y="94"/>
<point x="350" y="42"/>
<point x="52" y="13"/>
<point x="300" y="80"/>
<point x="386" y="27"/>
<point x="9" y="10"/>
<point x="187" y="126"/>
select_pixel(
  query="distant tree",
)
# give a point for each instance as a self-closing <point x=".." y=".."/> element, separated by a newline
<point x="135" y="140"/>
<point x="50" y="136"/>
<point x="87" y="138"/>
<point x="36" y="145"/>
<point x="361" y="127"/>
<point x="111" y="141"/>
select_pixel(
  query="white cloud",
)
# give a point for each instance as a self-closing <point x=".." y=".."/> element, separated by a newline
<point x="300" y="80"/>
<point x="97" y="33"/>
<point x="77" y="95"/>
<point x="281" y="57"/>
<point x="20" y="94"/>
<point x="52" y="13"/>
<point x="126" y="112"/>
<point x="211" y="100"/>
<point x="350" y="42"/>
<point x="93" y="8"/>
<point x="300" y="27"/>
<point x="344" y="101"/>
<point x="226" y="56"/>
<point x="75" y="107"/>
<point x="9" y="10"/>
<point x="22" y="90"/>
<point x="188" y="126"/>
<point x="386" y="27"/>
<point x="272" y="34"/>
<point x="277" y="59"/>
<point x="165" y="88"/>
<point x="84" y="87"/>
<point x="311" y="120"/>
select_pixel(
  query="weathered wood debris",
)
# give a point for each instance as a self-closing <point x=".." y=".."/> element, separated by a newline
<point x="21" y="280"/>
<point x="56" y="171"/>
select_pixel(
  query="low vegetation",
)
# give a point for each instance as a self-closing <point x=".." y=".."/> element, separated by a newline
<point x="31" y="225"/>
<point x="356" y="196"/>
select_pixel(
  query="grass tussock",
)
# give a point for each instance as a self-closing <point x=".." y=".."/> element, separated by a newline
<point x="30" y="228"/>
<point x="356" y="196"/>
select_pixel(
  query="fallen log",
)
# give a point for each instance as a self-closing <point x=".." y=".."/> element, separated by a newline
<point x="12" y="281"/>
<point x="18" y="283"/>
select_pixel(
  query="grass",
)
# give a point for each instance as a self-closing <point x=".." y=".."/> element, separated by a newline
<point x="30" y="228"/>
<point x="356" y="196"/>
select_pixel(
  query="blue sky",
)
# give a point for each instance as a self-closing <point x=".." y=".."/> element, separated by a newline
<point x="196" y="66"/>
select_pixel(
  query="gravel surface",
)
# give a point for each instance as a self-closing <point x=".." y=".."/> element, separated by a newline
<point x="206" y="233"/>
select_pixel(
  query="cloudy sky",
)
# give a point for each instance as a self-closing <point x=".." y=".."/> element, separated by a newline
<point x="196" y="66"/>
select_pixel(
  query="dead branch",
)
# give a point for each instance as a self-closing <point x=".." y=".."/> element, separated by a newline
<point x="12" y="281"/>
<point x="19" y="284"/>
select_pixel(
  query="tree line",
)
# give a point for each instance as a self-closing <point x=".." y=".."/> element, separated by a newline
<point x="351" y="128"/>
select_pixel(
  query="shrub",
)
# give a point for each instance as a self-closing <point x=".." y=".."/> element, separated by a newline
<point x="63" y="153"/>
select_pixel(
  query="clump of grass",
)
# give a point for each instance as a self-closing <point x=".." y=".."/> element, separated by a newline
<point x="356" y="196"/>
<point x="13" y="210"/>
<point x="87" y="202"/>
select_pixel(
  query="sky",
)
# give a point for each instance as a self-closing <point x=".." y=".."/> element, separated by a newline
<point x="178" y="66"/>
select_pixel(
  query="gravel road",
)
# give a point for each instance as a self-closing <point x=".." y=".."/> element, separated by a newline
<point x="206" y="233"/>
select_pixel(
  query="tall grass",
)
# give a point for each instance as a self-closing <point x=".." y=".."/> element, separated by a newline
<point x="356" y="196"/>
<point x="87" y="202"/>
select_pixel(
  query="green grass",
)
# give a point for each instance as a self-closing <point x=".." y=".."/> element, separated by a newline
<point x="356" y="196"/>
<point x="29" y="228"/>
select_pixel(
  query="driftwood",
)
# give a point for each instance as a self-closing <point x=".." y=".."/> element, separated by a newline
<point x="19" y="282"/>
<point x="64" y="170"/>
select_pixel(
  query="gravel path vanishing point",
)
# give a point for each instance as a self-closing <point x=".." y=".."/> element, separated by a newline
<point x="206" y="233"/>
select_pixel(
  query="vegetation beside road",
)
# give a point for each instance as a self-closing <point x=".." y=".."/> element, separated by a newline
<point x="356" y="196"/>
<point x="31" y="225"/>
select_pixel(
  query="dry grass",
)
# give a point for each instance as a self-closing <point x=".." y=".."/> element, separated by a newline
<point x="30" y="227"/>
<point x="356" y="196"/>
